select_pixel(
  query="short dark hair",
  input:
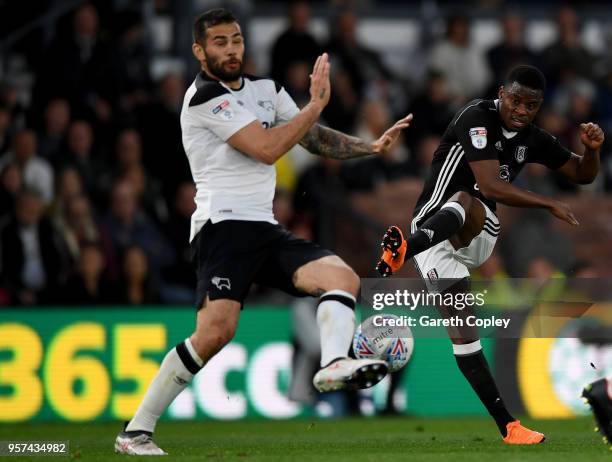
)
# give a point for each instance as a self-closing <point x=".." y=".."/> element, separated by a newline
<point x="528" y="76"/>
<point x="208" y="19"/>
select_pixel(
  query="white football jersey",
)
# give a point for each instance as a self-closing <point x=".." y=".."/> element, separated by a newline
<point x="230" y="185"/>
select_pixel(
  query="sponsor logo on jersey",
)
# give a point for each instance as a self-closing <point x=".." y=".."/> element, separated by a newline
<point x="504" y="173"/>
<point x="479" y="137"/>
<point x="266" y="104"/>
<point x="221" y="283"/>
<point x="498" y="146"/>
<point x="520" y="154"/>
<point x="219" y="107"/>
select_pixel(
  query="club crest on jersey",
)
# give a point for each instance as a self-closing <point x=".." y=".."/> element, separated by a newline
<point x="432" y="274"/>
<point x="520" y="154"/>
<point x="479" y="137"/>
<point x="266" y="104"/>
<point x="219" y="107"/>
<point x="499" y="146"/>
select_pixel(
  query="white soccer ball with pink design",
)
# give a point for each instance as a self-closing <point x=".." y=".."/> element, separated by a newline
<point x="378" y="338"/>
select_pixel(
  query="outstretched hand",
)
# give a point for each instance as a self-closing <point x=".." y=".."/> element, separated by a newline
<point x="591" y="135"/>
<point x="384" y="143"/>
<point x="320" y="87"/>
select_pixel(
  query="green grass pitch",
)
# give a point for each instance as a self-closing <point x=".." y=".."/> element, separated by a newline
<point x="352" y="440"/>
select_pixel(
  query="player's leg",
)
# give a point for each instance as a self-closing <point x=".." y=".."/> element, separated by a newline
<point x="472" y="361"/>
<point x="445" y="269"/>
<point x="215" y="327"/>
<point x="337" y="287"/>
<point x="459" y="220"/>
<point x="226" y="255"/>
<point x="598" y="395"/>
<point x="474" y="366"/>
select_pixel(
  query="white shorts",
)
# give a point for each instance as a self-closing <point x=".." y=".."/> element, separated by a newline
<point x="442" y="261"/>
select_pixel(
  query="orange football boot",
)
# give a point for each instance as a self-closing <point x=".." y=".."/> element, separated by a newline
<point x="517" y="434"/>
<point x="394" y="252"/>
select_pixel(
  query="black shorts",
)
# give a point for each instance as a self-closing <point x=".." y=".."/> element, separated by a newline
<point x="232" y="254"/>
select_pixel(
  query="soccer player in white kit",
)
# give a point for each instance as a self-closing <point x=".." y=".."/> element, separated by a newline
<point x="235" y="127"/>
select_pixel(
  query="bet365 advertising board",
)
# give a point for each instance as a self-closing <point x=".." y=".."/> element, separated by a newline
<point x="95" y="364"/>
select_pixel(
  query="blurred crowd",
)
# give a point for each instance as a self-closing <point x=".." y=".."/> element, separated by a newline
<point x="95" y="189"/>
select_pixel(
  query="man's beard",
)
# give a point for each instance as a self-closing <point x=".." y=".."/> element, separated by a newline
<point x="215" y="67"/>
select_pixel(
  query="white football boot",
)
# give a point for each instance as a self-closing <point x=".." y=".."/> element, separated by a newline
<point x="352" y="374"/>
<point x="137" y="445"/>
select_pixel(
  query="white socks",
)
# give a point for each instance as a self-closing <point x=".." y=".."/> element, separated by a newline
<point x="336" y="320"/>
<point x="176" y="371"/>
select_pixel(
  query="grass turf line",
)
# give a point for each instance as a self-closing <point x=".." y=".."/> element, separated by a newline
<point x="350" y="440"/>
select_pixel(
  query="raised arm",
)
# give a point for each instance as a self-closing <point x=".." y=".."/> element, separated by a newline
<point x="584" y="169"/>
<point x="327" y="142"/>
<point x="269" y="145"/>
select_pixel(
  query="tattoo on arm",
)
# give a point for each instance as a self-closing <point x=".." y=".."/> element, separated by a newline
<point x="327" y="142"/>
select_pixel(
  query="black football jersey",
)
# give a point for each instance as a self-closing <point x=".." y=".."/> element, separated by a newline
<point x="477" y="133"/>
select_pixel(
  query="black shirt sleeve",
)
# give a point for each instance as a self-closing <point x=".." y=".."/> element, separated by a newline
<point x="548" y="151"/>
<point x="474" y="131"/>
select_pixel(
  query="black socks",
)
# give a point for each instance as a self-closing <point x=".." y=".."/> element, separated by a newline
<point x="476" y="370"/>
<point x="437" y="228"/>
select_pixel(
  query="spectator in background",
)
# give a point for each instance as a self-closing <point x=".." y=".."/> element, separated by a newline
<point x="321" y="190"/>
<point x="432" y="108"/>
<point x="126" y="225"/>
<point x="55" y="128"/>
<point x="34" y="253"/>
<point x="137" y="286"/>
<point x="90" y="284"/>
<point x="295" y="47"/>
<point x="81" y="156"/>
<point x="148" y="191"/>
<point x="512" y="50"/>
<point x="81" y="65"/>
<point x="180" y="278"/>
<point x="133" y="52"/>
<point x="77" y="225"/>
<point x="162" y="146"/>
<point x="461" y="62"/>
<point x="37" y="173"/>
<point x="11" y="183"/>
<point x="369" y="173"/>
<point x="68" y="184"/>
<point x="5" y="119"/>
<point x="357" y="72"/>
<point x="425" y="153"/>
<point x="566" y="57"/>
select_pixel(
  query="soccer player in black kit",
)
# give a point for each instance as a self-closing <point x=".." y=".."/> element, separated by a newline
<point x="454" y="226"/>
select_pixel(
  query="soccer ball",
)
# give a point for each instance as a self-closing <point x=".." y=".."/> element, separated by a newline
<point x="393" y="345"/>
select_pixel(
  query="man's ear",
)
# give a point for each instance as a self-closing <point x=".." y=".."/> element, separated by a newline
<point x="198" y="51"/>
<point x="501" y="92"/>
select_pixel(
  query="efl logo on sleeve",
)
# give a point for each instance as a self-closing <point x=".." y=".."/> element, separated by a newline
<point x="479" y="137"/>
<point x="219" y="107"/>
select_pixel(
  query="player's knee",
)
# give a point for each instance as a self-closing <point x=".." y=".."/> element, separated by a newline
<point x="346" y="280"/>
<point x="463" y="198"/>
<point x="210" y="339"/>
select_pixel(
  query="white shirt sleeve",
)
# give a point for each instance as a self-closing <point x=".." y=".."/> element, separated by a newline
<point x="286" y="109"/>
<point x="222" y="115"/>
